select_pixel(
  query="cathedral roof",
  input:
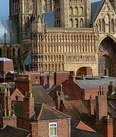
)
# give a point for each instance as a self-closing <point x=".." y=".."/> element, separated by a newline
<point x="95" y="8"/>
<point x="49" y="18"/>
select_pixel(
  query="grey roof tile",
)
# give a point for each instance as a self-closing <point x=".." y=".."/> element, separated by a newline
<point x="10" y="131"/>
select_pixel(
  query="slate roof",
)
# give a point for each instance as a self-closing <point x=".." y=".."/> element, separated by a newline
<point x="49" y="113"/>
<point x="10" y="131"/>
<point x="52" y="88"/>
<point x="41" y="96"/>
<point x="95" y="83"/>
<point x="95" y="8"/>
<point x="18" y="108"/>
<point x="76" y="108"/>
<point x="49" y="18"/>
<point x="112" y="96"/>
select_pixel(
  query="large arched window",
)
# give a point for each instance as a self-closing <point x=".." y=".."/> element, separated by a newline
<point x="104" y="63"/>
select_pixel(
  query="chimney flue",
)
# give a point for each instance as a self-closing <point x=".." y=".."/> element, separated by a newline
<point x="108" y="127"/>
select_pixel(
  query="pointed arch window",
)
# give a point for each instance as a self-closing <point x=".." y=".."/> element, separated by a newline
<point x="81" y="11"/>
<point x="76" y="11"/>
<point x="81" y="22"/>
<point x="112" y="26"/>
<point x="76" y="23"/>
<point x="103" y="25"/>
<point x="71" y="10"/>
<point x="71" y="23"/>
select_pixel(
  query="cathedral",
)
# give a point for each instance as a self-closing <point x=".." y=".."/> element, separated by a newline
<point x="62" y="35"/>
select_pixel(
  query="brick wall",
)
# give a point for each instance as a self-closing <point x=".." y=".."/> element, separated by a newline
<point x="34" y="129"/>
<point x="60" y="77"/>
<point x="91" y="93"/>
<point x="62" y="126"/>
<point x="9" y="120"/>
<point x="23" y="83"/>
<point x="23" y="123"/>
<point x="101" y="105"/>
<point x="17" y="95"/>
<point x="70" y="90"/>
<point x="6" y="66"/>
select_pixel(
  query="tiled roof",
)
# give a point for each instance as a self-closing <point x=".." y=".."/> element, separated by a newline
<point x="49" y="113"/>
<point x="95" y="8"/>
<point x="95" y="83"/>
<point x="81" y="133"/>
<point x="41" y="96"/>
<point x="10" y="131"/>
<point x="83" y="126"/>
<point x="76" y="108"/>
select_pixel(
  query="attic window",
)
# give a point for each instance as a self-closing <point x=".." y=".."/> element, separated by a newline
<point x="53" y="129"/>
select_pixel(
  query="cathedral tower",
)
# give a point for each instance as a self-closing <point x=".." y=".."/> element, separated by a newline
<point x="72" y="13"/>
<point x="21" y="12"/>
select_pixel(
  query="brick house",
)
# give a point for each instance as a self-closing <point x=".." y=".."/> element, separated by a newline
<point x="32" y="112"/>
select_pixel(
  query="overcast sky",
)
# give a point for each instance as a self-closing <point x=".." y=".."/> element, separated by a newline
<point x="4" y="9"/>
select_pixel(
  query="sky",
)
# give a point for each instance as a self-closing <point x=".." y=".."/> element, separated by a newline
<point x="4" y="9"/>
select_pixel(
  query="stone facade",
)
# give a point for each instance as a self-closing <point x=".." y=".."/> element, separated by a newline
<point x="79" y="38"/>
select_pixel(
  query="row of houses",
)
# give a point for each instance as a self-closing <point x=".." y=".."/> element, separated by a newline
<point x="58" y="104"/>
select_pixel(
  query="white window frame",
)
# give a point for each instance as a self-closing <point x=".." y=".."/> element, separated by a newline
<point x="53" y="125"/>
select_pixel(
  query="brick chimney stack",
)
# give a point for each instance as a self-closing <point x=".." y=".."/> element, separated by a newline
<point x="60" y="97"/>
<point x="110" y="88"/>
<point x="23" y="83"/>
<point x="28" y="105"/>
<point x="101" y="104"/>
<point x="91" y="106"/>
<point x="108" y="127"/>
<point x="5" y="101"/>
<point x="72" y="76"/>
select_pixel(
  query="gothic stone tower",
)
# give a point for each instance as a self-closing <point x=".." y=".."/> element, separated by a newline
<point x="73" y="13"/>
<point x="21" y="11"/>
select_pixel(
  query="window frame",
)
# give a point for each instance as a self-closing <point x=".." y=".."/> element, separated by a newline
<point x="51" y="125"/>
